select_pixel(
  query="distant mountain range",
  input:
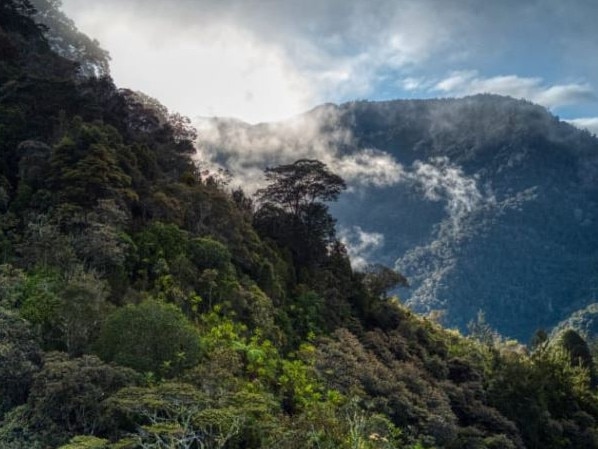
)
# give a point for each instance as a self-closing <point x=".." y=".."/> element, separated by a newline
<point x="484" y="203"/>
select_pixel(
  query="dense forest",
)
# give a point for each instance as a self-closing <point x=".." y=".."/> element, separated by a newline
<point x="144" y="304"/>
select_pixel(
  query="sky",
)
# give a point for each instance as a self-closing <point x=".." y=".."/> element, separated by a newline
<point x="268" y="60"/>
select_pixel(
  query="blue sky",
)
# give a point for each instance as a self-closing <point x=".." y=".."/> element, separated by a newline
<point x="263" y="60"/>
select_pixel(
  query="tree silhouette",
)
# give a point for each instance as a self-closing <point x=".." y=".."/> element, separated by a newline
<point x="292" y="209"/>
<point x="298" y="186"/>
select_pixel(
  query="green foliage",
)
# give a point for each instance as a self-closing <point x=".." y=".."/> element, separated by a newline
<point x="67" y="396"/>
<point x="176" y="415"/>
<point x="65" y="313"/>
<point x="379" y="280"/>
<point x="207" y="253"/>
<point x="20" y="359"/>
<point x="541" y="392"/>
<point x="480" y="330"/>
<point x="578" y="349"/>
<point x="150" y="337"/>
<point x="12" y="282"/>
<point x="86" y="442"/>
<point x="15" y="432"/>
<point x="160" y="241"/>
<point x="85" y="164"/>
<point x="306" y="314"/>
<point x="41" y="305"/>
<point x="297" y="186"/>
<point x="259" y="358"/>
<point x="299" y="382"/>
<point x="99" y="238"/>
<point x="337" y="425"/>
<point x="82" y="311"/>
<point x="293" y="212"/>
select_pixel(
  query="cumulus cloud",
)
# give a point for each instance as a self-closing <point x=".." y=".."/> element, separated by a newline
<point x="264" y="61"/>
<point x="461" y="83"/>
<point x="198" y="69"/>
<point x="589" y="123"/>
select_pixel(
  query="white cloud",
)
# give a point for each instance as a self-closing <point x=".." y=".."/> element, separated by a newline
<point x="212" y="70"/>
<point x="270" y="60"/>
<point x="428" y="264"/>
<point x="564" y="95"/>
<point x="246" y="150"/>
<point x="589" y="123"/>
<point x="413" y="83"/>
<point x="360" y="245"/>
<point x="369" y="167"/>
<point x="440" y="179"/>
<point x="461" y="83"/>
<point x="263" y="61"/>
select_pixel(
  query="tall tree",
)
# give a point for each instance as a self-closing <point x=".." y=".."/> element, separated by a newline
<point x="293" y="211"/>
<point x="380" y="279"/>
<point x="299" y="186"/>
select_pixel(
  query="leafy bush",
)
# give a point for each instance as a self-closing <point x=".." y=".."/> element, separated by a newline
<point x="150" y="337"/>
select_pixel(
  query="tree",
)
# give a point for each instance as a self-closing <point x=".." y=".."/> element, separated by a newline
<point x="539" y="339"/>
<point x="69" y="42"/>
<point x="150" y="337"/>
<point x="68" y="396"/>
<point x="578" y="349"/>
<point x="480" y="330"/>
<point x="15" y="15"/>
<point x="86" y="442"/>
<point x="298" y="186"/>
<point x="86" y="164"/>
<point x="380" y="279"/>
<point x="208" y="253"/>
<point x="65" y="313"/>
<point x="176" y="415"/>
<point x="82" y="311"/>
<point x="293" y="212"/>
<point x="34" y="162"/>
<point x="20" y="359"/>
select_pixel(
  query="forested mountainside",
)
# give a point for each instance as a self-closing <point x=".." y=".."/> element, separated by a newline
<point x="484" y="203"/>
<point x="143" y="304"/>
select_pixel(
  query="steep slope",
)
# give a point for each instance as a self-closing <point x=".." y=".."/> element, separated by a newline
<point x="484" y="203"/>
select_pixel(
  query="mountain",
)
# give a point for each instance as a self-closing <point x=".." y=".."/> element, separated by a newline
<point x="484" y="203"/>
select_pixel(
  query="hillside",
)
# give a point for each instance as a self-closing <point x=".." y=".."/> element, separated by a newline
<point x="484" y="203"/>
<point x="144" y="304"/>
